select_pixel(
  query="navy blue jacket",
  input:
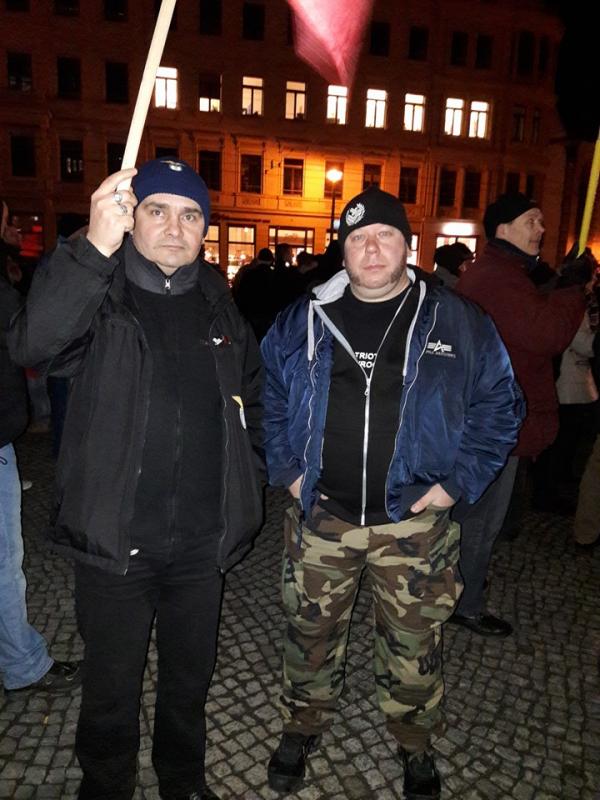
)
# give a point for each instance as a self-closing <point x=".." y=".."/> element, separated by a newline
<point x="459" y="411"/>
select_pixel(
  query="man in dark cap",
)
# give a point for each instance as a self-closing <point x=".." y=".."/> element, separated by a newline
<point x="535" y="327"/>
<point x="158" y="492"/>
<point x="451" y="260"/>
<point x="386" y="400"/>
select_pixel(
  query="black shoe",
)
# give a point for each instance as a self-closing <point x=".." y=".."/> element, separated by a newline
<point x="288" y="762"/>
<point x="421" y="779"/>
<point x="483" y="624"/>
<point x="205" y="794"/>
<point x="63" y="676"/>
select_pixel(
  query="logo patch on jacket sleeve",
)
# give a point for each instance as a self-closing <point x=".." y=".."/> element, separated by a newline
<point x="440" y="349"/>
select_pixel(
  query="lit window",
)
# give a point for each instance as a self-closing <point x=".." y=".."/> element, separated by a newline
<point x="337" y="104"/>
<point x="240" y="247"/>
<point x="453" y="116"/>
<point x="414" y="112"/>
<point x="252" y="96"/>
<point x="413" y="251"/>
<point x="165" y="88"/>
<point x="478" y="119"/>
<point x="211" y="245"/>
<point x="295" y="100"/>
<point x="376" y="108"/>
<point x="209" y="93"/>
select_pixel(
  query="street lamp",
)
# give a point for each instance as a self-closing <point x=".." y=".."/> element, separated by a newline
<point x="334" y="176"/>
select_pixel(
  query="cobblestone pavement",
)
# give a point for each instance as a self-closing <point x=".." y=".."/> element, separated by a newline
<point x="523" y="712"/>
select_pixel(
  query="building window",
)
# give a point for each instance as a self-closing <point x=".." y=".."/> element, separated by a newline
<point x="117" y="82"/>
<point x="513" y="180"/>
<point x="371" y="175"/>
<point x="518" y="124"/>
<point x="536" y="120"/>
<point x="115" y="10"/>
<point x="71" y="160"/>
<point x="409" y="182"/>
<point x="69" y="78"/>
<point x="211" y="15"/>
<point x="251" y="174"/>
<point x="253" y="21"/>
<point x="543" y="55"/>
<point x="17" y="5"/>
<point x="165" y="88"/>
<point x="67" y="8"/>
<point x="459" y="49"/>
<point x="418" y="42"/>
<point x="331" y="186"/>
<point x="211" y="244"/>
<point x="447" y="193"/>
<point x="530" y="185"/>
<point x="380" y="39"/>
<point x="114" y="156"/>
<point x="293" y="176"/>
<point x="19" y="71"/>
<point x="209" y="92"/>
<point x="295" y="100"/>
<point x="414" y="112"/>
<point x="483" y="51"/>
<point x="525" y="53"/>
<point x="166" y="151"/>
<point x="337" y="104"/>
<point x="240" y="247"/>
<point x="22" y="156"/>
<point x="252" y="96"/>
<point x="296" y="238"/>
<point x="453" y="116"/>
<point x="413" y="251"/>
<point x="479" y="115"/>
<point x="209" y="168"/>
<point x="472" y="189"/>
<point x="376" y="108"/>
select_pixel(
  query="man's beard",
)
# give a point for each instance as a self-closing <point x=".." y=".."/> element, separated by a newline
<point x="395" y="276"/>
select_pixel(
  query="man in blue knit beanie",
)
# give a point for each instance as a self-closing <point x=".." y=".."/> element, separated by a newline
<point x="158" y="491"/>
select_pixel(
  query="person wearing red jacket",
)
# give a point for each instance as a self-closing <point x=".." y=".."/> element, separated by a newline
<point x="535" y="327"/>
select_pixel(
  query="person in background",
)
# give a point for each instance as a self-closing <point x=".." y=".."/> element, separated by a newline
<point x="451" y="260"/>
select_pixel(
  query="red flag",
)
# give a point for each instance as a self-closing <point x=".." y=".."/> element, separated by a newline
<point x="329" y="35"/>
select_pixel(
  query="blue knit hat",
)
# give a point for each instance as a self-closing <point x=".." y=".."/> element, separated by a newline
<point x="172" y="176"/>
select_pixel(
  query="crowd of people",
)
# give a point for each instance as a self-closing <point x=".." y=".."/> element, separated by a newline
<point x="411" y="414"/>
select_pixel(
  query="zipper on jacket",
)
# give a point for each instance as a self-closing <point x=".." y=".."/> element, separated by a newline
<point x="167" y="285"/>
<point x="406" y="392"/>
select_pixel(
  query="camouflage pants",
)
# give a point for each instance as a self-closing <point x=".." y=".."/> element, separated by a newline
<point x="412" y="567"/>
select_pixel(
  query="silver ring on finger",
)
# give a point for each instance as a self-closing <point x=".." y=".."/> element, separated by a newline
<point x="118" y="197"/>
<point x="123" y="208"/>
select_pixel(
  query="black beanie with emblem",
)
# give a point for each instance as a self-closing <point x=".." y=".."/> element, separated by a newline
<point x="370" y="207"/>
<point x="507" y="207"/>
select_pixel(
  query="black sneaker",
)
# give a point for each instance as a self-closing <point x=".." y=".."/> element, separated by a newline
<point x="421" y="779"/>
<point x="205" y="794"/>
<point x="63" y="676"/>
<point x="288" y="762"/>
<point x="483" y="624"/>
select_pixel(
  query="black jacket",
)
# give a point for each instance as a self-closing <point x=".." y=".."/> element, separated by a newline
<point x="76" y="324"/>
<point x="13" y="392"/>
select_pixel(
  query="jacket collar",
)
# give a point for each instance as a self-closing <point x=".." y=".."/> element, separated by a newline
<point x="147" y="274"/>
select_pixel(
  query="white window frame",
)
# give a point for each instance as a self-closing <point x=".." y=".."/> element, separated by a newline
<point x="376" y="108"/>
<point x="479" y="117"/>
<point x="165" y="87"/>
<point x="295" y="100"/>
<point x="252" y="96"/>
<point x="453" y="117"/>
<point x="414" y="112"/>
<point x="337" y="104"/>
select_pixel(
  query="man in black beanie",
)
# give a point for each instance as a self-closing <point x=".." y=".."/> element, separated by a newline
<point x="386" y="400"/>
<point x="158" y="491"/>
<point x="535" y="327"/>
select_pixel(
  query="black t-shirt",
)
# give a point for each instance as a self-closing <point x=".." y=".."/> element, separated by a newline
<point x="364" y="325"/>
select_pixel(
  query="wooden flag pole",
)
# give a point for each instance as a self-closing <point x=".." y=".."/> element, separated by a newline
<point x="140" y="112"/>
<point x="590" y="198"/>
